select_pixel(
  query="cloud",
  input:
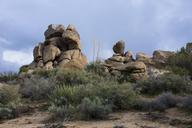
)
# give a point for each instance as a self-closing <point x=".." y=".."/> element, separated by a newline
<point x="4" y="41"/>
<point x="17" y="57"/>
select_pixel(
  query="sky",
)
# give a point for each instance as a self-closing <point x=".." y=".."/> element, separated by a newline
<point x="145" y="25"/>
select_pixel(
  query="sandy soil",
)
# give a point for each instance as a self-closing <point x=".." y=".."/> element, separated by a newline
<point x="38" y="119"/>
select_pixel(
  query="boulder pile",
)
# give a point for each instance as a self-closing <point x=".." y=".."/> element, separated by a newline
<point x="123" y="63"/>
<point x="61" y="48"/>
<point x="140" y="68"/>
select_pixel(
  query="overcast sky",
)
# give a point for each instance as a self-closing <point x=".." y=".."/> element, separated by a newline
<point x="145" y="25"/>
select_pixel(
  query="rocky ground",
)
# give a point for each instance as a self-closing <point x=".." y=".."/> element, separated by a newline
<point x="37" y="118"/>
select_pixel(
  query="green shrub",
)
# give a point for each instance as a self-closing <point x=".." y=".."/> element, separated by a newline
<point x="67" y="112"/>
<point x="186" y="103"/>
<point x="93" y="109"/>
<point x="10" y="102"/>
<point x="8" y="77"/>
<point x="6" y="113"/>
<point x="161" y="103"/>
<point x="182" y="59"/>
<point x="9" y="94"/>
<point x="118" y="96"/>
<point x="168" y="83"/>
<point x="37" y="88"/>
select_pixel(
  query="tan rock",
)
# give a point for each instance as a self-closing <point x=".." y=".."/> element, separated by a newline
<point x="48" y="65"/>
<point x="144" y="58"/>
<point x="132" y="67"/>
<point x="162" y="56"/>
<point x="70" y="54"/>
<point x="54" y="30"/>
<point x="67" y="58"/>
<point x="128" y="56"/>
<point x="38" y="52"/>
<point x="119" y="47"/>
<point x="50" y="52"/>
<point x="71" y="38"/>
<point x="117" y="58"/>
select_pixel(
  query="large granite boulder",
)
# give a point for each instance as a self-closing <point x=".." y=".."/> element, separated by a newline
<point x="71" y="38"/>
<point x="119" y="47"/>
<point x="38" y="52"/>
<point x="160" y="56"/>
<point x="140" y="56"/>
<point x="50" y="52"/>
<point x="54" y="30"/>
<point x="60" y="49"/>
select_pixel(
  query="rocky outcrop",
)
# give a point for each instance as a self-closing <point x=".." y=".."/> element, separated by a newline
<point x="144" y="58"/>
<point x="162" y="57"/>
<point x="123" y="63"/>
<point x="61" y="48"/>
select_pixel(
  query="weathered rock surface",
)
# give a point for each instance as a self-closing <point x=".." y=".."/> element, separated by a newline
<point x="121" y="63"/>
<point x="60" y="49"/>
<point x="119" y="47"/>
<point x="54" y="30"/>
<point x="144" y="58"/>
<point x="160" y="56"/>
<point x="72" y="38"/>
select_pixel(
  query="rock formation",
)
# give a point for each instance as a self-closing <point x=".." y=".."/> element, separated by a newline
<point x="123" y="63"/>
<point x="142" y="67"/>
<point x="61" y="48"/>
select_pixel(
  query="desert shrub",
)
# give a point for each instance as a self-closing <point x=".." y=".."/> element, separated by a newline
<point x="161" y="103"/>
<point x="186" y="103"/>
<point x="168" y="83"/>
<point x="67" y="112"/>
<point x="8" y="76"/>
<point x="104" y="94"/>
<point x="120" y="96"/>
<point x="37" y="88"/>
<point x="10" y="102"/>
<point x="97" y="68"/>
<point x="182" y="59"/>
<point x="6" y="113"/>
<point x="9" y="94"/>
<point x="93" y="109"/>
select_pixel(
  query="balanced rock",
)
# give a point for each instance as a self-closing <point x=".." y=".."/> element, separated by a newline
<point x="124" y="64"/>
<point x="119" y="47"/>
<point x="54" y="30"/>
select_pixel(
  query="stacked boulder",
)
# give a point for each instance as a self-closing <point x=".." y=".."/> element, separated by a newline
<point x="123" y="63"/>
<point x="61" y="48"/>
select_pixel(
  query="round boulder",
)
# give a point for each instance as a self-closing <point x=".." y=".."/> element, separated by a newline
<point x="119" y="47"/>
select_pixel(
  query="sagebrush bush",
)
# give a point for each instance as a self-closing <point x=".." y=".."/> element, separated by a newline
<point x="182" y="59"/>
<point x="118" y="96"/>
<point x="168" y="83"/>
<point x="93" y="109"/>
<point x="37" y="88"/>
<point x="66" y="112"/>
<point x="10" y="102"/>
<point x="8" y="77"/>
<point x="186" y="103"/>
<point x="160" y="103"/>
<point x="9" y="94"/>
